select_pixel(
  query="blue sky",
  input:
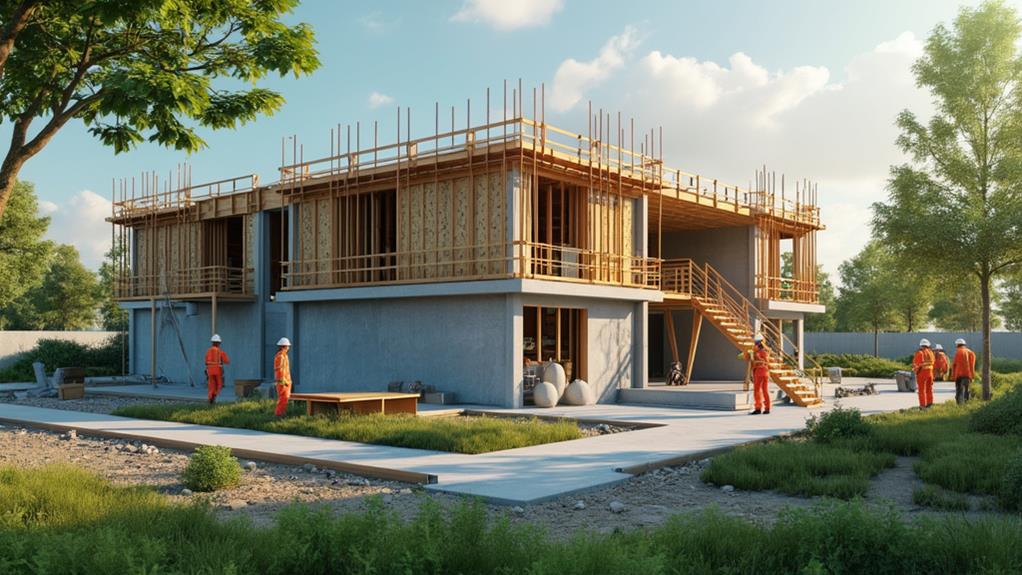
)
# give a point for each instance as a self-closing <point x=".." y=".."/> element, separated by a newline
<point x="812" y="91"/>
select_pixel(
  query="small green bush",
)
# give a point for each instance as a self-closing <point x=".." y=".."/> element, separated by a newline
<point x="1010" y="496"/>
<point x="856" y="365"/>
<point x="1004" y="381"/>
<point x="1006" y="365"/>
<point x="210" y="468"/>
<point x="838" y="423"/>
<point x="104" y="359"/>
<point x="1001" y="415"/>
<point x="936" y="498"/>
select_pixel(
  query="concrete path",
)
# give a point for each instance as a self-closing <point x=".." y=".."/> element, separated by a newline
<point x="517" y="476"/>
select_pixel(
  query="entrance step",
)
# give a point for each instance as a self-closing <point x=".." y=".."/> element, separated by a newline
<point x="721" y="396"/>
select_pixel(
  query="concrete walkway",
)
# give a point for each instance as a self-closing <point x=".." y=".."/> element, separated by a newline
<point x="517" y="476"/>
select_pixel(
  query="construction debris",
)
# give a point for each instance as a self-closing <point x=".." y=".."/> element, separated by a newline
<point x="868" y="389"/>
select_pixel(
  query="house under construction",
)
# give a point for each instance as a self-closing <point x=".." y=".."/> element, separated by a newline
<point x="462" y="258"/>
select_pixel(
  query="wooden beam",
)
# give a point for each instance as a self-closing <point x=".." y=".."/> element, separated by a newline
<point x="671" y="337"/>
<point x="697" y="325"/>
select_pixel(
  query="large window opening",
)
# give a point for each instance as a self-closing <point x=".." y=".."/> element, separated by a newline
<point x="558" y="334"/>
<point x="556" y="229"/>
<point x="278" y="235"/>
<point x="367" y="238"/>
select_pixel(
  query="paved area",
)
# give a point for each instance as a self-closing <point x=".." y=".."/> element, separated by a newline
<point x="517" y="476"/>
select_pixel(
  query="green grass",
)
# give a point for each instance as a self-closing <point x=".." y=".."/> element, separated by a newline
<point x="798" y="468"/>
<point x="83" y="525"/>
<point x="858" y="365"/>
<point x="937" y="498"/>
<point x="969" y="463"/>
<point x="455" y="434"/>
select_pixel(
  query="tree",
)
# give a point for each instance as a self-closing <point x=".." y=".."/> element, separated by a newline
<point x="815" y="321"/>
<point x="958" y="305"/>
<point x="965" y="173"/>
<point x="866" y="300"/>
<point x="68" y="297"/>
<point x="139" y="70"/>
<point x="911" y="287"/>
<point x="23" y="252"/>
<point x="1011" y="302"/>
<point x="112" y="316"/>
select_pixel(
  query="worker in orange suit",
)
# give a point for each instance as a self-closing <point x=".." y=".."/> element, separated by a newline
<point x="963" y="370"/>
<point x="216" y="359"/>
<point x="941" y="364"/>
<point x="282" y="375"/>
<point x="922" y="364"/>
<point x="759" y="357"/>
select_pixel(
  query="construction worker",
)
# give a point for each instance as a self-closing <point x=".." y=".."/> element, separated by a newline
<point x="941" y="365"/>
<point x="963" y="370"/>
<point x="759" y="357"/>
<point x="282" y="375"/>
<point x="922" y="364"/>
<point x="216" y="359"/>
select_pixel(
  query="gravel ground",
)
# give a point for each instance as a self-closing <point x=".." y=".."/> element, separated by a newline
<point x="644" y="500"/>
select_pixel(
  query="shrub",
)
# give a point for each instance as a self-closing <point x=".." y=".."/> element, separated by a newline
<point x="1010" y="496"/>
<point x="1001" y="416"/>
<point x="210" y="468"/>
<point x="104" y="359"/>
<point x="838" y="423"/>
<point x="968" y="463"/>
<point x="1006" y="365"/>
<point x="856" y="365"/>
<point x="1003" y="381"/>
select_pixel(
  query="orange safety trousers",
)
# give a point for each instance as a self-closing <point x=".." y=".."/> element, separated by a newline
<point x="214" y="383"/>
<point x="924" y="387"/>
<point x="760" y="389"/>
<point x="283" y="395"/>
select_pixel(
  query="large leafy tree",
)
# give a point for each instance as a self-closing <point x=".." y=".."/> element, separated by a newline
<point x="23" y="251"/>
<point x="957" y="305"/>
<point x="68" y="298"/>
<point x="112" y="316"/>
<point x="135" y="70"/>
<point x="865" y="300"/>
<point x="959" y="200"/>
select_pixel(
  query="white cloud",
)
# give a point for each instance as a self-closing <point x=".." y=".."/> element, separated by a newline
<point x="46" y="208"/>
<point x="376" y="99"/>
<point x="508" y="14"/>
<point x="80" y="221"/>
<point x="573" y="78"/>
<point x="724" y="120"/>
<point x="376" y="22"/>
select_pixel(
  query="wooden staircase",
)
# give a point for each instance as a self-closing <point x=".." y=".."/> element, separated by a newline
<point x="716" y="300"/>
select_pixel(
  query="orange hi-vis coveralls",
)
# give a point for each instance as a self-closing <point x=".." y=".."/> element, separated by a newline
<point x="216" y="359"/>
<point x="760" y="359"/>
<point x="940" y="365"/>
<point x="963" y="371"/>
<point x="282" y="376"/>
<point x="922" y="363"/>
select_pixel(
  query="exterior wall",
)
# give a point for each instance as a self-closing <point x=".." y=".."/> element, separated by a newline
<point x="458" y="345"/>
<point x="731" y="252"/>
<point x="895" y="345"/>
<point x="14" y="343"/>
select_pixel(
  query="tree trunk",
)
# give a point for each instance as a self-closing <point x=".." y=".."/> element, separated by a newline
<point x="984" y="291"/>
<point x="8" y="177"/>
<point x="876" y="342"/>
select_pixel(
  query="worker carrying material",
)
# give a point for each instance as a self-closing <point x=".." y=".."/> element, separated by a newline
<point x="963" y="370"/>
<point x="216" y="359"/>
<point x="759" y="357"/>
<point x="922" y="364"/>
<point x="941" y="364"/>
<point x="282" y="375"/>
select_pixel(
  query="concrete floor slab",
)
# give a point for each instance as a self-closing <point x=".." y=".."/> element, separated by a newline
<point x="517" y="476"/>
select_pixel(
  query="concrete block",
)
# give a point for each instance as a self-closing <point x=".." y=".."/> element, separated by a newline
<point x="579" y="393"/>
<point x="545" y="394"/>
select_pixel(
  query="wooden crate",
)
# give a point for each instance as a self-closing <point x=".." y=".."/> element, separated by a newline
<point x="71" y="391"/>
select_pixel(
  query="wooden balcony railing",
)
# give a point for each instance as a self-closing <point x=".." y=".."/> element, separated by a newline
<point x="465" y="263"/>
<point x="787" y="289"/>
<point x="202" y="281"/>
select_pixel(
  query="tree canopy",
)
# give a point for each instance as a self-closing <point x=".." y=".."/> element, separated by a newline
<point x="140" y="70"/>
<point x="959" y="200"/>
<point x="23" y="251"/>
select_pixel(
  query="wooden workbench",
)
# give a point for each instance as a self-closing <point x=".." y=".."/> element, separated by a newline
<point x="365" y="402"/>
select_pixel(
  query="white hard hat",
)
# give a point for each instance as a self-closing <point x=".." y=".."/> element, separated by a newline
<point x="938" y="346"/>
<point x="758" y="337"/>
<point x="924" y="342"/>
<point x="215" y="338"/>
<point x="284" y="341"/>
<point x="959" y="341"/>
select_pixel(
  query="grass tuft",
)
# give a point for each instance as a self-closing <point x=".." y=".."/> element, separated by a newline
<point x="454" y="434"/>
<point x="937" y="498"/>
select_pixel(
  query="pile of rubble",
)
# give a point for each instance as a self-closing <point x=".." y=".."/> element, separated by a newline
<point x="868" y="389"/>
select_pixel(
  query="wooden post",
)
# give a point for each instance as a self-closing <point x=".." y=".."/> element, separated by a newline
<point x="671" y="336"/>
<point x="697" y="325"/>
<point x="213" y="319"/>
<point x="152" y="339"/>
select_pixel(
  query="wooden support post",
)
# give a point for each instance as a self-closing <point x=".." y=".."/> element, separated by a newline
<point x="671" y="336"/>
<point x="697" y="325"/>
<point x="152" y="339"/>
<point x="213" y="318"/>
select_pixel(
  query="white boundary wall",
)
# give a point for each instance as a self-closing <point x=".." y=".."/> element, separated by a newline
<point x="893" y="345"/>
<point x="14" y="343"/>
